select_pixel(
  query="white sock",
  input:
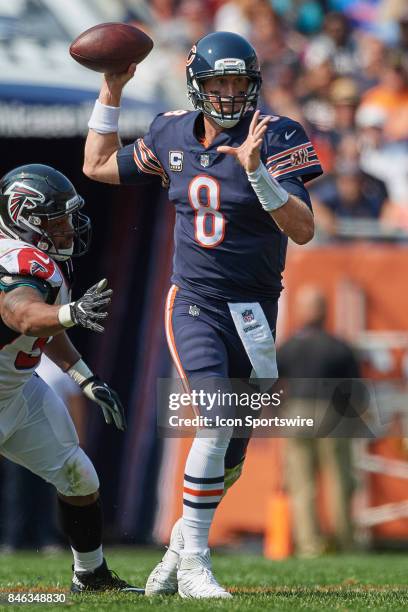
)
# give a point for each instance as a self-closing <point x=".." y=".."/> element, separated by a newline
<point x="203" y="487"/>
<point x="87" y="561"/>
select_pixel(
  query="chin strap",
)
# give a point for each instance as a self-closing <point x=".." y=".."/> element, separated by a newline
<point x="225" y="123"/>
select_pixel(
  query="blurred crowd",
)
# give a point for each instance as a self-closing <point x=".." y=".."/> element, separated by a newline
<point x="338" y="67"/>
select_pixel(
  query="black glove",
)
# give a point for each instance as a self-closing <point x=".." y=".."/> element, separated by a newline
<point x="99" y="392"/>
<point x="87" y="310"/>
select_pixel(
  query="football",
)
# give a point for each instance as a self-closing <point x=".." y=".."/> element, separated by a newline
<point x="111" y="47"/>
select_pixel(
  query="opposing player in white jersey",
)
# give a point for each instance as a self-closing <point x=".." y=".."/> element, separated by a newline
<point x="41" y="228"/>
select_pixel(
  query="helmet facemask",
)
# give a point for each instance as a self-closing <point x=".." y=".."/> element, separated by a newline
<point x="80" y="234"/>
<point x="231" y="108"/>
<point x="225" y="110"/>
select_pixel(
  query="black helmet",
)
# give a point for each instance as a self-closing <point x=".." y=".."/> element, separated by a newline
<point x="34" y="194"/>
<point x="220" y="54"/>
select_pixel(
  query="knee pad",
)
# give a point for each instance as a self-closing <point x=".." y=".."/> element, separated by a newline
<point x="77" y="476"/>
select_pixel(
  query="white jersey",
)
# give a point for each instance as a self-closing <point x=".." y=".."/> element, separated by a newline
<point x="19" y="354"/>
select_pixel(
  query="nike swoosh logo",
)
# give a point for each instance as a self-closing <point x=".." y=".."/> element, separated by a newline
<point x="287" y="136"/>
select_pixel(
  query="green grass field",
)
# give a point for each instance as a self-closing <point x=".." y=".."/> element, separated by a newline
<point x="349" y="582"/>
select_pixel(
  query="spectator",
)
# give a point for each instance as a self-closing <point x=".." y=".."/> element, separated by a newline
<point x="279" y="91"/>
<point x="335" y="44"/>
<point x="391" y="96"/>
<point x="163" y="11"/>
<point x="382" y="159"/>
<point x="236" y="16"/>
<point x="327" y="357"/>
<point x="194" y="21"/>
<point x="403" y="32"/>
<point x="306" y="16"/>
<point x="347" y="194"/>
<point x="372" y="53"/>
<point x="271" y="38"/>
<point x="343" y="98"/>
<point x="316" y="104"/>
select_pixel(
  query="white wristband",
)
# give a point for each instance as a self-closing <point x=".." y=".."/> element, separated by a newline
<point x="80" y="372"/>
<point x="104" y="119"/>
<point x="64" y="316"/>
<point x="270" y="194"/>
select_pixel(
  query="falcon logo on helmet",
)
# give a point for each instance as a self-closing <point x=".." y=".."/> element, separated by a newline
<point x="22" y="196"/>
<point x="33" y="198"/>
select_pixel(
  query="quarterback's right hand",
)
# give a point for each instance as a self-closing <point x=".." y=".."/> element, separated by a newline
<point x="112" y="85"/>
<point x="115" y="81"/>
<point x="87" y="311"/>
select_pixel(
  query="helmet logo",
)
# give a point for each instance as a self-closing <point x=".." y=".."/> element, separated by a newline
<point x="20" y="197"/>
<point x="191" y="55"/>
<point x="36" y="268"/>
<point x="229" y="63"/>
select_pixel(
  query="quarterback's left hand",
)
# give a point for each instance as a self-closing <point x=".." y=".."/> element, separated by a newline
<point x="249" y="153"/>
<point x="99" y="392"/>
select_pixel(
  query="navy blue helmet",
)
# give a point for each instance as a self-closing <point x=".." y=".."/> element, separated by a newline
<point x="221" y="54"/>
<point x="33" y="195"/>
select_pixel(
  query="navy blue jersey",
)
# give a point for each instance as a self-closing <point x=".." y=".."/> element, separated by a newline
<point x="226" y="245"/>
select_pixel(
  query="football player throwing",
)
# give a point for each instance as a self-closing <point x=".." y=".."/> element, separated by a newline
<point x="237" y="180"/>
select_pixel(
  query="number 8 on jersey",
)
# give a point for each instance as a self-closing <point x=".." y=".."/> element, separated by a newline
<point x="209" y="222"/>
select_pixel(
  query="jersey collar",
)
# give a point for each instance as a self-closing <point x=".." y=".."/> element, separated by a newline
<point x="232" y="136"/>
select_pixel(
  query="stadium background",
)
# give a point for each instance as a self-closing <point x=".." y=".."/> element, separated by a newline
<point x="357" y="257"/>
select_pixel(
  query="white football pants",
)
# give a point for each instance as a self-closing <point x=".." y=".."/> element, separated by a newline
<point x="37" y="432"/>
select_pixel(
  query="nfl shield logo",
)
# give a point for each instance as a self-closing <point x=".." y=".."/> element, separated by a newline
<point x="248" y="316"/>
<point x="205" y="160"/>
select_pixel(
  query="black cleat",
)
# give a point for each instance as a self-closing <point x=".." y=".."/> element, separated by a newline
<point x="101" y="579"/>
